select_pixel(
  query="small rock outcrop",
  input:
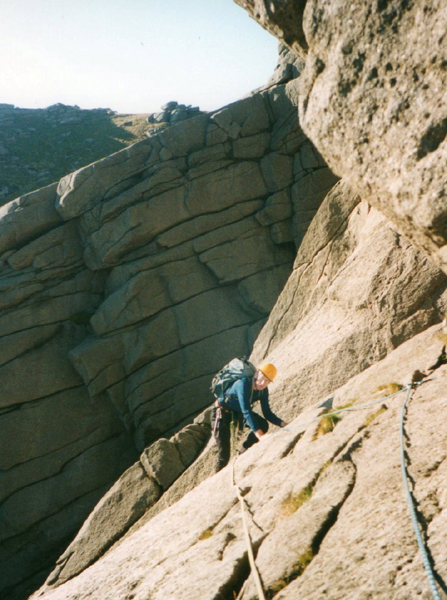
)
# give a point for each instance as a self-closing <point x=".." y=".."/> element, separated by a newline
<point x="289" y="67"/>
<point x="172" y="112"/>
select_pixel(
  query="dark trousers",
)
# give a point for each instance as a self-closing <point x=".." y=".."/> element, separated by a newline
<point x="222" y="433"/>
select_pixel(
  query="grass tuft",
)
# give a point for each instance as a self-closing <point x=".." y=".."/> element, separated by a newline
<point x="352" y="401"/>
<point x="303" y="561"/>
<point x="326" y="425"/>
<point x="373" y="416"/>
<point x="442" y="336"/>
<point x="300" y="566"/>
<point x="347" y="405"/>
<point x="206" y="534"/>
<point x="294" y="501"/>
<point x="389" y="388"/>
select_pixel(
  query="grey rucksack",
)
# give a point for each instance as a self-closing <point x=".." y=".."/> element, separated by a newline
<point x="236" y="369"/>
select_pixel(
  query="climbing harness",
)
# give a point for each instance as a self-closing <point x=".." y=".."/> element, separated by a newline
<point x="217" y="421"/>
<point x="417" y="531"/>
<point x="427" y="565"/>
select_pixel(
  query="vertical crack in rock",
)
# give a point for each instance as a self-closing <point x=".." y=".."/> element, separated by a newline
<point x="306" y="518"/>
<point x="231" y="588"/>
<point x="235" y="585"/>
<point x="333" y="515"/>
<point x="291" y="446"/>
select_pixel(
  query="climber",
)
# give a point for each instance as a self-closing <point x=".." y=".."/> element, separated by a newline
<point x="236" y="405"/>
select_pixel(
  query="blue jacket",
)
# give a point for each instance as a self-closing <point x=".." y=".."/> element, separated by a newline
<point x="240" y="396"/>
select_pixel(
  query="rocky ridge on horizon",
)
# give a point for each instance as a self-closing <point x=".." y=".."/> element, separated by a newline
<point x="39" y="146"/>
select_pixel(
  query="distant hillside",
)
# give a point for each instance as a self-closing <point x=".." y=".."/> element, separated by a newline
<point x="39" y="146"/>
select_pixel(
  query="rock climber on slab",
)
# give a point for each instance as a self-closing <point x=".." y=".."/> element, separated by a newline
<point x="237" y="387"/>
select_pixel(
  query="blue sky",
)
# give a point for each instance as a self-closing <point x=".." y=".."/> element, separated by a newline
<point x="130" y="55"/>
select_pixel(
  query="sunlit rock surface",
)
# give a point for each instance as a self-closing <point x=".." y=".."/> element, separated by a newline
<point x="359" y="293"/>
<point x="168" y="261"/>
<point x="321" y="504"/>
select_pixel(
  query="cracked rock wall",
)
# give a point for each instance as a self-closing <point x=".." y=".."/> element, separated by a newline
<point x="328" y="516"/>
<point x="125" y="287"/>
<point x="359" y="292"/>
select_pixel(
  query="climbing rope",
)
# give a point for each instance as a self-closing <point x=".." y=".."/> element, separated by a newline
<point x="408" y="389"/>
<point x="417" y="531"/>
<point x="425" y="559"/>
<point x="251" y="557"/>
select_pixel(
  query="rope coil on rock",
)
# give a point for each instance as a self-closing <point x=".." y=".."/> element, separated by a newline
<point x="417" y="531"/>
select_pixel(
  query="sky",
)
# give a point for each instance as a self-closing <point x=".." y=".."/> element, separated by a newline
<point x="130" y="55"/>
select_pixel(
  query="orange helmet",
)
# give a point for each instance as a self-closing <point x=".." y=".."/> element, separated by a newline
<point x="269" y="370"/>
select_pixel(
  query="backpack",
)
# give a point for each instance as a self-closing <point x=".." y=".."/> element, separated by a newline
<point x="236" y="369"/>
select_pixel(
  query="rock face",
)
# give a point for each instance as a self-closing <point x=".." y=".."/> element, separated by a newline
<point x="137" y="490"/>
<point x="289" y="67"/>
<point x="371" y="98"/>
<point x="126" y="286"/>
<point x="327" y="512"/>
<point x="156" y="265"/>
<point x="358" y="291"/>
<point x="281" y="18"/>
